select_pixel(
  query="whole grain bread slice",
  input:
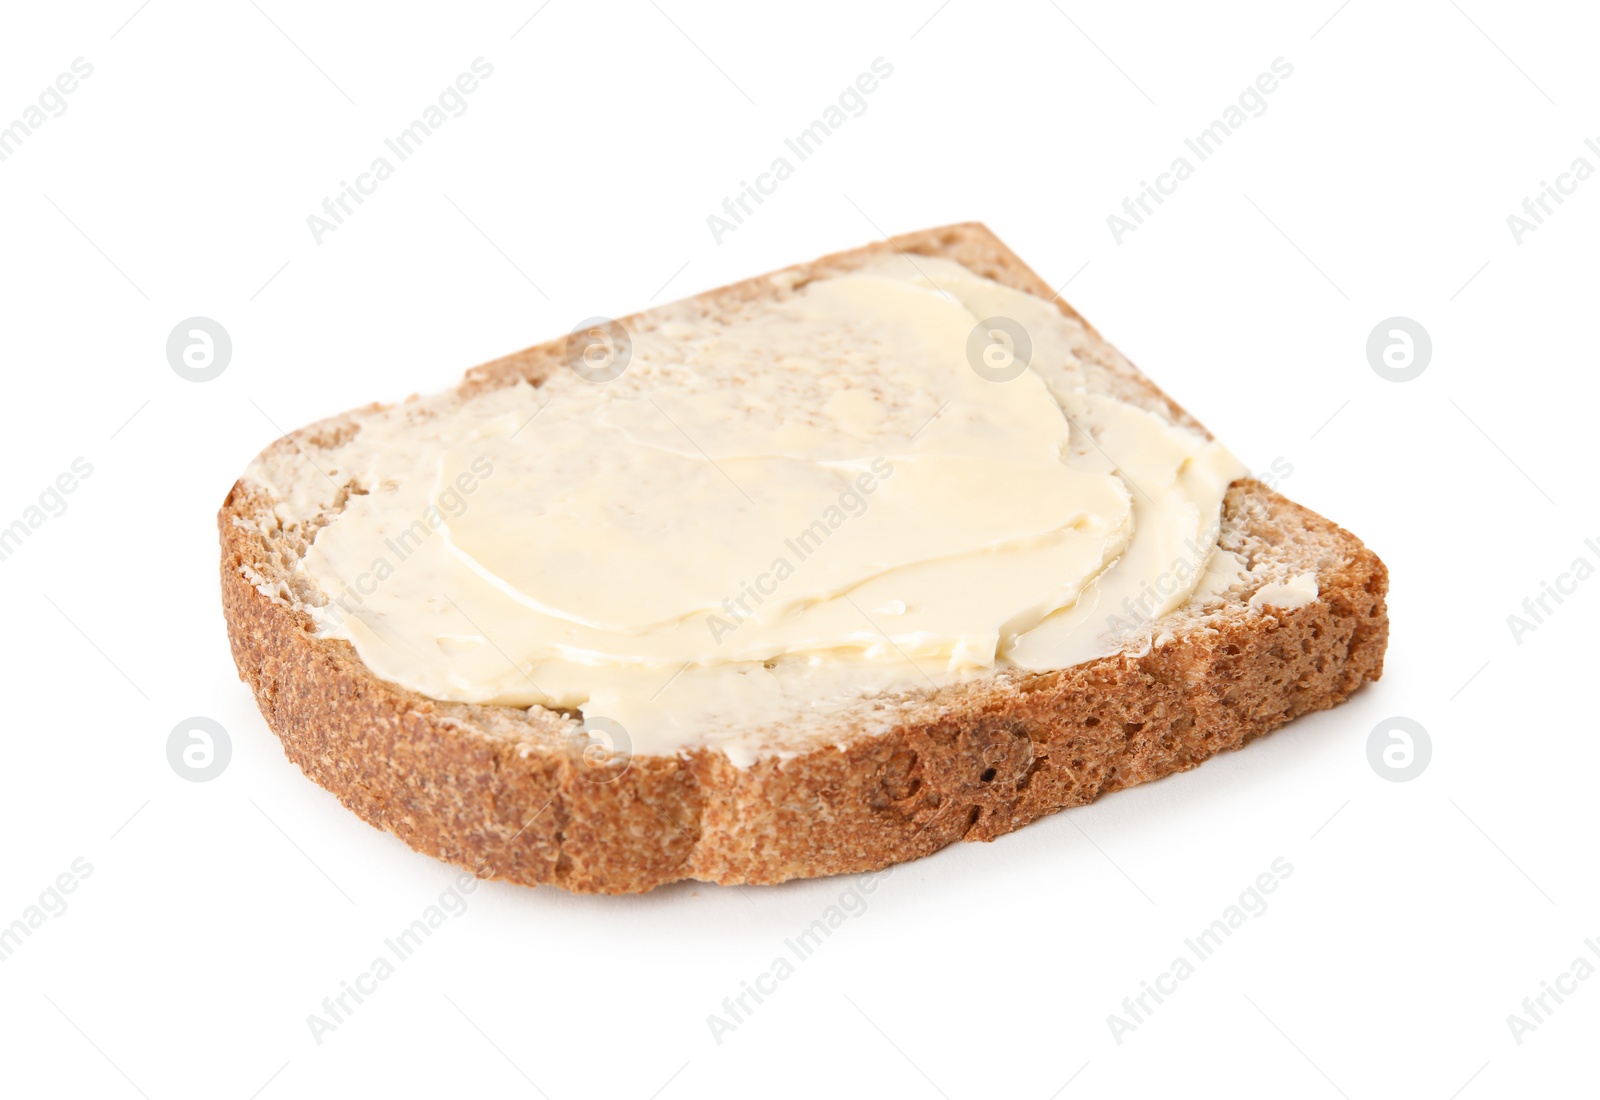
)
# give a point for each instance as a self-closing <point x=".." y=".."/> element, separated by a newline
<point x="506" y="791"/>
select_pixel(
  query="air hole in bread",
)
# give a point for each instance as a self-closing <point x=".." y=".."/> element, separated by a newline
<point x="972" y="819"/>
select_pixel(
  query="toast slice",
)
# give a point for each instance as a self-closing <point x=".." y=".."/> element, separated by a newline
<point x="505" y="791"/>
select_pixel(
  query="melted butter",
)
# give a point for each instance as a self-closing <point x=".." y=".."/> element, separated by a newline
<point x="765" y="519"/>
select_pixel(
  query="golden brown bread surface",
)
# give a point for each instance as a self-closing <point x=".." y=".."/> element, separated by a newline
<point x="508" y="792"/>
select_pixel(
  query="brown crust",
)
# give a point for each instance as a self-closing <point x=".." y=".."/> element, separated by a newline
<point x="502" y="792"/>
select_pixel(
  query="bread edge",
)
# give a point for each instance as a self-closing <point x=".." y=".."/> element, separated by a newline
<point x="975" y="763"/>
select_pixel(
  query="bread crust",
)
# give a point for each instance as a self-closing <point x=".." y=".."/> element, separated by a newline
<point x="504" y="792"/>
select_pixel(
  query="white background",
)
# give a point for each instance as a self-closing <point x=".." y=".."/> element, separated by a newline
<point x="1418" y="914"/>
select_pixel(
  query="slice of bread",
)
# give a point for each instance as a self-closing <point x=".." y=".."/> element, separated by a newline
<point x="506" y="791"/>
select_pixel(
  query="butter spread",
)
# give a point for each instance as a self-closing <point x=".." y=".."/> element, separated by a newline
<point x="770" y="515"/>
<point x="1297" y="592"/>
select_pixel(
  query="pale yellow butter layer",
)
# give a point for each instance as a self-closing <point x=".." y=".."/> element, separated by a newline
<point x="764" y="519"/>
